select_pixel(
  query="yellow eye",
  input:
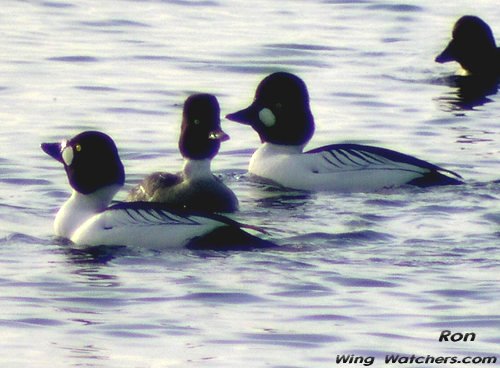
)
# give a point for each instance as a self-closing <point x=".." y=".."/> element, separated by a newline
<point x="78" y="148"/>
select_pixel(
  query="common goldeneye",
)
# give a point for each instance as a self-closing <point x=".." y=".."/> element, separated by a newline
<point x="195" y="188"/>
<point x="473" y="47"/>
<point x="95" y="172"/>
<point x="282" y="117"/>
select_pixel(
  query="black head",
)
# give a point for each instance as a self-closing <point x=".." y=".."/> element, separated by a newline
<point x="472" y="45"/>
<point x="90" y="159"/>
<point x="201" y="133"/>
<point x="280" y="112"/>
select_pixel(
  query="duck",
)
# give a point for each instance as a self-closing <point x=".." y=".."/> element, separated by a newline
<point x="281" y="115"/>
<point x="473" y="47"/>
<point x="89" y="218"/>
<point x="195" y="187"/>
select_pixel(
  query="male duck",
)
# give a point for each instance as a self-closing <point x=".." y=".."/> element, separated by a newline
<point x="196" y="187"/>
<point x="281" y="115"/>
<point x="95" y="172"/>
<point x="473" y="47"/>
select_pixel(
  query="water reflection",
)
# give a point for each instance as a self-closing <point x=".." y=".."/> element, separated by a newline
<point x="469" y="92"/>
<point x="89" y="353"/>
<point x="271" y="195"/>
<point x="98" y="255"/>
<point x="284" y="200"/>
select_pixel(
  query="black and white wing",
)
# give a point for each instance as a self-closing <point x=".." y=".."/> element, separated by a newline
<point x="351" y="159"/>
<point x="151" y="225"/>
<point x="148" y="225"/>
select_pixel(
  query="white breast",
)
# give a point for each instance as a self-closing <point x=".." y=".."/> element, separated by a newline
<point x="79" y="208"/>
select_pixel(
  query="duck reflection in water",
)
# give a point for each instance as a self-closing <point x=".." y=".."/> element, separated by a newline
<point x="269" y="194"/>
<point x="473" y="47"/>
<point x="468" y="92"/>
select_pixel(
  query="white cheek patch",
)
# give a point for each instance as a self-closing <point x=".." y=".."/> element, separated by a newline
<point x="267" y="117"/>
<point x="67" y="155"/>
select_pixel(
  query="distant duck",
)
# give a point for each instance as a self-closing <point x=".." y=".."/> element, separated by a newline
<point x="281" y="115"/>
<point x="96" y="174"/>
<point x="473" y="47"/>
<point x="196" y="187"/>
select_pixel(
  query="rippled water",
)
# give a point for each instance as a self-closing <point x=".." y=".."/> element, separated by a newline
<point x="366" y="274"/>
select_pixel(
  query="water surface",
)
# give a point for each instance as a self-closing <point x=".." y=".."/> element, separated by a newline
<point x="368" y="274"/>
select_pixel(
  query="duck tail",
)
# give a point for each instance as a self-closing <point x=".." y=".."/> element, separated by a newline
<point x="437" y="178"/>
<point x="229" y="238"/>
